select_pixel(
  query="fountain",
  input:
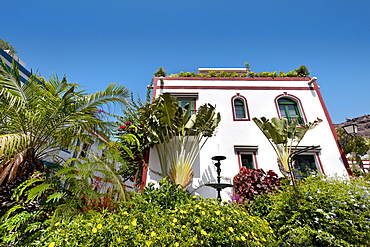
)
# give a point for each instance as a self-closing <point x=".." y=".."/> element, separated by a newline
<point x="218" y="186"/>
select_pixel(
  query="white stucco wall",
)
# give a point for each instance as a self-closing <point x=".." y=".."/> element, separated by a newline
<point x="260" y="95"/>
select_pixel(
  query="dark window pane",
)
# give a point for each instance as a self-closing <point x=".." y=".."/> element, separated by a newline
<point x="247" y="160"/>
<point x="304" y="165"/>
<point x="239" y="108"/>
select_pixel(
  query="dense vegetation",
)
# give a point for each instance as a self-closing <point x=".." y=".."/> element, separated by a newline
<point x="85" y="201"/>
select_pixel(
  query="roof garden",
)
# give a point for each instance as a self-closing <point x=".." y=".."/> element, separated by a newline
<point x="302" y="71"/>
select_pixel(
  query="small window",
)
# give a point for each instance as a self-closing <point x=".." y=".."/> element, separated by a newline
<point x="247" y="161"/>
<point x="185" y="101"/>
<point x="247" y="155"/>
<point x="240" y="108"/>
<point x="304" y="165"/>
<point x="289" y="109"/>
<point x="84" y="151"/>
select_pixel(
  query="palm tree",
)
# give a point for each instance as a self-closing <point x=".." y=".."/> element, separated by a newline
<point x="177" y="137"/>
<point x="38" y="118"/>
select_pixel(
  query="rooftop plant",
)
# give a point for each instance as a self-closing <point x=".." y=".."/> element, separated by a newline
<point x="302" y="71"/>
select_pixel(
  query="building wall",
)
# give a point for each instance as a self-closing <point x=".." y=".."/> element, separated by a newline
<point x="261" y="95"/>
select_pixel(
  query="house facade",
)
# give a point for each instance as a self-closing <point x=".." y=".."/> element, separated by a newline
<point x="239" y="99"/>
<point x="8" y="60"/>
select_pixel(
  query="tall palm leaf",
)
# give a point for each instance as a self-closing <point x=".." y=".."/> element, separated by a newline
<point x="39" y="118"/>
<point x="178" y="138"/>
<point x="284" y="138"/>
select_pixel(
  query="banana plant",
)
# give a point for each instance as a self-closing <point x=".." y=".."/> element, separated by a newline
<point x="284" y="138"/>
<point x="178" y="137"/>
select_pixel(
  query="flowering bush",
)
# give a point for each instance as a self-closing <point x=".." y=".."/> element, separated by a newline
<point x="139" y="223"/>
<point x="323" y="212"/>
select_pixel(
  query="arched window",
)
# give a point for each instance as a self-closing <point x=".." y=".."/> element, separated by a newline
<point x="240" y="110"/>
<point x="289" y="109"/>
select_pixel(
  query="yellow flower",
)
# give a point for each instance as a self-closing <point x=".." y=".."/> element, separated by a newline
<point x="94" y="230"/>
<point x="197" y="221"/>
<point x="153" y="234"/>
<point x="118" y="239"/>
<point x="231" y="229"/>
<point x="174" y="220"/>
<point x="125" y="227"/>
<point x="148" y="243"/>
<point x="99" y="226"/>
<point x="134" y="222"/>
<point x="217" y="212"/>
<point x="203" y="232"/>
<point x="125" y="213"/>
<point x="195" y="238"/>
<point x="243" y="238"/>
<point x="56" y="224"/>
<point x="203" y="212"/>
<point x="177" y="244"/>
<point x="52" y="244"/>
<point x="194" y="197"/>
<point x="183" y="226"/>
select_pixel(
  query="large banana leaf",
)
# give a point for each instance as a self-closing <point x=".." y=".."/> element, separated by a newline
<point x="178" y="137"/>
<point x="283" y="137"/>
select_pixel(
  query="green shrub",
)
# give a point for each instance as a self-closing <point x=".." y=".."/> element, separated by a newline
<point x="323" y="212"/>
<point x="139" y="223"/>
<point x="167" y="196"/>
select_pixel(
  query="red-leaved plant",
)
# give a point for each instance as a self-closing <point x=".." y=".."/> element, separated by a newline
<point x="251" y="182"/>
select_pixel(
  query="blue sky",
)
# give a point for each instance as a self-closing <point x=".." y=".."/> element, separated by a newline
<point x="98" y="42"/>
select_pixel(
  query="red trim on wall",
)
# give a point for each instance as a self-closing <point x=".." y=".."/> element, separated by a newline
<point x="237" y="87"/>
<point x="285" y="94"/>
<point x="245" y="107"/>
<point x="342" y="154"/>
<point x="155" y="87"/>
<point x="255" y="160"/>
<point x="238" y="78"/>
<point x="145" y="169"/>
<point x="239" y="160"/>
<point x="320" y="164"/>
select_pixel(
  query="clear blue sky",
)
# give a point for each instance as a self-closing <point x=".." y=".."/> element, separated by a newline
<point x="98" y="42"/>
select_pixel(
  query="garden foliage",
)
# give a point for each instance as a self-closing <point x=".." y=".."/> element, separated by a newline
<point x="140" y="223"/>
<point x="249" y="183"/>
<point x="322" y="212"/>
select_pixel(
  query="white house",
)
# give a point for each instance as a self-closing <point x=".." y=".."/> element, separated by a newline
<point x="238" y="138"/>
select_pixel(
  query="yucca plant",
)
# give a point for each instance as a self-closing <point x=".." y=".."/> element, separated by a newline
<point x="177" y="137"/>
